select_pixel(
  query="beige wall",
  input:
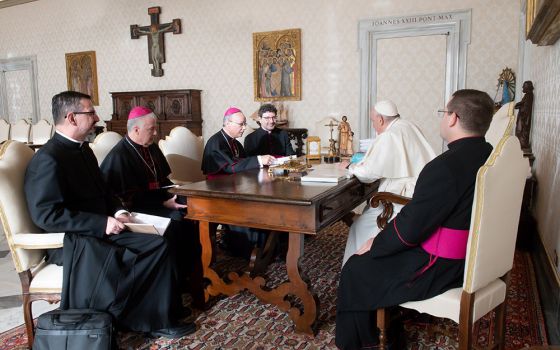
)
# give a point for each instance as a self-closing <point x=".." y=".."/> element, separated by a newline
<point x="544" y="71"/>
<point x="214" y="53"/>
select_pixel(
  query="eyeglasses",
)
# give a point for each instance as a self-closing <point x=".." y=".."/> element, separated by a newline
<point x="443" y="111"/>
<point x="92" y="113"/>
<point x="240" y="124"/>
<point x="270" y="118"/>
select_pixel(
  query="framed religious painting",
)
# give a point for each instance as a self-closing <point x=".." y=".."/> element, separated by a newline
<point x="81" y="74"/>
<point x="543" y="21"/>
<point x="277" y="65"/>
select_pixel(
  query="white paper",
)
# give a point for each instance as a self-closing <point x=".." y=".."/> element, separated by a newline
<point x="143" y="222"/>
<point x="326" y="173"/>
<point x="282" y="160"/>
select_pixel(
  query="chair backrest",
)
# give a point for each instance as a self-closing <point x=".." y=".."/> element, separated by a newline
<point x="14" y="158"/>
<point x="183" y="151"/>
<point x="20" y="131"/>
<point x="41" y="132"/>
<point x="103" y="144"/>
<point x="324" y="132"/>
<point x="4" y="130"/>
<point x="495" y="215"/>
<point x="502" y="124"/>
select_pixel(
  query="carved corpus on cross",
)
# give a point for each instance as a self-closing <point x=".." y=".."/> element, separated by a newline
<point x="155" y="31"/>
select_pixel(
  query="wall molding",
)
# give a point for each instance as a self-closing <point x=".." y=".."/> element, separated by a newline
<point x="456" y="25"/>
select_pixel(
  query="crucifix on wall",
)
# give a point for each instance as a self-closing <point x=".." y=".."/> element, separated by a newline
<point x="154" y="32"/>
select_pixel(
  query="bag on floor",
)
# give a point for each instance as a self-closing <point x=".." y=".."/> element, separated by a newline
<point x="74" y="329"/>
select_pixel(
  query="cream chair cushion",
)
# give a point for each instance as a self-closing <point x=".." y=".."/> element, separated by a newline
<point x="103" y="144"/>
<point x="46" y="279"/>
<point x="20" y="131"/>
<point x="41" y="132"/>
<point x="502" y="124"/>
<point x="4" y="130"/>
<point x="183" y="151"/>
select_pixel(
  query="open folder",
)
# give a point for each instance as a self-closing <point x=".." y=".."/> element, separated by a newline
<point x="145" y="223"/>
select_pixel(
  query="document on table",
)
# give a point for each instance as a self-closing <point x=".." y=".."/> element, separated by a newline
<point x="282" y="160"/>
<point x="326" y="173"/>
<point x="145" y="223"/>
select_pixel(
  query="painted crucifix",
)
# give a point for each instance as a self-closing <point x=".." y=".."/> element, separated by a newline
<point x="154" y="32"/>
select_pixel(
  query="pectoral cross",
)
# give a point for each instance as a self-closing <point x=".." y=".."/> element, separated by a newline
<point x="155" y="31"/>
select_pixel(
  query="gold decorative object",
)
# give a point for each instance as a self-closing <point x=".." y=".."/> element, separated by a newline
<point x="313" y="148"/>
<point x="505" y="89"/>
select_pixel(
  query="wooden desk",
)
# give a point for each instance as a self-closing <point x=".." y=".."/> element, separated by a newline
<point x="256" y="200"/>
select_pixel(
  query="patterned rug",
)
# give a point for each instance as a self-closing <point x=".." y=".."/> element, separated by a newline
<point x="242" y="322"/>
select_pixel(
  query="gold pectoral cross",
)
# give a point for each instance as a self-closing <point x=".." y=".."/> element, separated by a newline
<point x="155" y="31"/>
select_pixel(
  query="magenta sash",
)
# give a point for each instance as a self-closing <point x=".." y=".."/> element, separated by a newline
<point x="447" y="243"/>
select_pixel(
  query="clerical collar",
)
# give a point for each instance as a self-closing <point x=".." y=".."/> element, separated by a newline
<point x="466" y="140"/>
<point x="69" y="138"/>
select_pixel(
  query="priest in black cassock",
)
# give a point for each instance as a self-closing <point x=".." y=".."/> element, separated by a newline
<point x="224" y="155"/>
<point x="129" y="275"/>
<point x="421" y="253"/>
<point x="138" y="174"/>
<point x="268" y="139"/>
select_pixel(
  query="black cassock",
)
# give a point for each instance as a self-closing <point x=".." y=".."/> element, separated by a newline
<point x="129" y="275"/>
<point x="391" y="272"/>
<point x="225" y="155"/>
<point x="276" y="143"/>
<point x="138" y="176"/>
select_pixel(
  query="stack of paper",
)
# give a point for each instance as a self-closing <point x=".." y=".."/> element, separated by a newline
<point x="145" y="223"/>
<point x="326" y="173"/>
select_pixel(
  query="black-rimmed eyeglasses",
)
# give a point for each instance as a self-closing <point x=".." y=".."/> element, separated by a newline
<point x="92" y="113"/>
<point x="443" y="111"/>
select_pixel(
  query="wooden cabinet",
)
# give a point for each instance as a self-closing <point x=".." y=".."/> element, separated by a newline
<point x="173" y="108"/>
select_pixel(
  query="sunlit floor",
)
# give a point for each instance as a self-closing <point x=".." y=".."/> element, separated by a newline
<point x="11" y="312"/>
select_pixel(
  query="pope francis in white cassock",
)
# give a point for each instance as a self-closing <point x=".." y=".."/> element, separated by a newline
<point x="395" y="157"/>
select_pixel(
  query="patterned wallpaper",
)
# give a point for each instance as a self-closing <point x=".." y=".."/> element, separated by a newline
<point x="214" y="52"/>
<point x="545" y="73"/>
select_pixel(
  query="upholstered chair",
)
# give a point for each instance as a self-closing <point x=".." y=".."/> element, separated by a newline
<point x="103" y="144"/>
<point x="490" y="248"/>
<point x="183" y="151"/>
<point x="503" y="123"/>
<point x="39" y="280"/>
<point x="41" y="132"/>
<point x="4" y="130"/>
<point x="20" y="131"/>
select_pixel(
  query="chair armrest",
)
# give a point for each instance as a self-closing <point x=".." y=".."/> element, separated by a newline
<point x="38" y="240"/>
<point x="386" y="199"/>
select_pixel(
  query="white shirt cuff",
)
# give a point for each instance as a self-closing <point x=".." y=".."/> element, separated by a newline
<point x="122" y="211"/>
<point x="260" y="161"/>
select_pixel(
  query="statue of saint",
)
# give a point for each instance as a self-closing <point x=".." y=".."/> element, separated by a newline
<point x="525" y="106"/>
<point x="343" y="136"/>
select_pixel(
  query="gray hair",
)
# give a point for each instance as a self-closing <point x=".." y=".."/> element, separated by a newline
<point x="131" y="123"/>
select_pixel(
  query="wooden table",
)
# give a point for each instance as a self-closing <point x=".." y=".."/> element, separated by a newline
<point x="254" y="199"/>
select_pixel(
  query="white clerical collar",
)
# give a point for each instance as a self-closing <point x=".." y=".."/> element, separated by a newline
<point x="69" y="138"/>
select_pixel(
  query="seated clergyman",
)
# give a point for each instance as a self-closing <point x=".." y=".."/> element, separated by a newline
<point x="421" y="252"/>
<point x="138" y="174"/>
<point x="129" y="275"/>
<point x="224" y="155"/>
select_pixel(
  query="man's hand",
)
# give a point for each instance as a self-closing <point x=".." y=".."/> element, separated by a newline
<point x="124" y="218"/>
<point x="171" y="204"/>
<point x="114" y="226"/>
<point x="366" y="247"/>
<point x="344" y="164"/>
<point x="266" y="159"/>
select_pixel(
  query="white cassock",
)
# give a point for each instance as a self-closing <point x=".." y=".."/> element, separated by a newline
<point x="396" y="156"/>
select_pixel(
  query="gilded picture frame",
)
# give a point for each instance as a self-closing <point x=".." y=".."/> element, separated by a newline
<point x="81" y="74"/>
<point x="313" y="147"/>
<point x="277" y="65"/>
<point x="542" y="25"/>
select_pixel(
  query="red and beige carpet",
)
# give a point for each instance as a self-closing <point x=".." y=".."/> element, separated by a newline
<point x="243" y="322"/>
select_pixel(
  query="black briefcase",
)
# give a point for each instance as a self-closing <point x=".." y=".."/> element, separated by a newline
<point x="74" y="329"/>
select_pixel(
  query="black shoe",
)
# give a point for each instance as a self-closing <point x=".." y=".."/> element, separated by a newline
<point x="178" y="331"/>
